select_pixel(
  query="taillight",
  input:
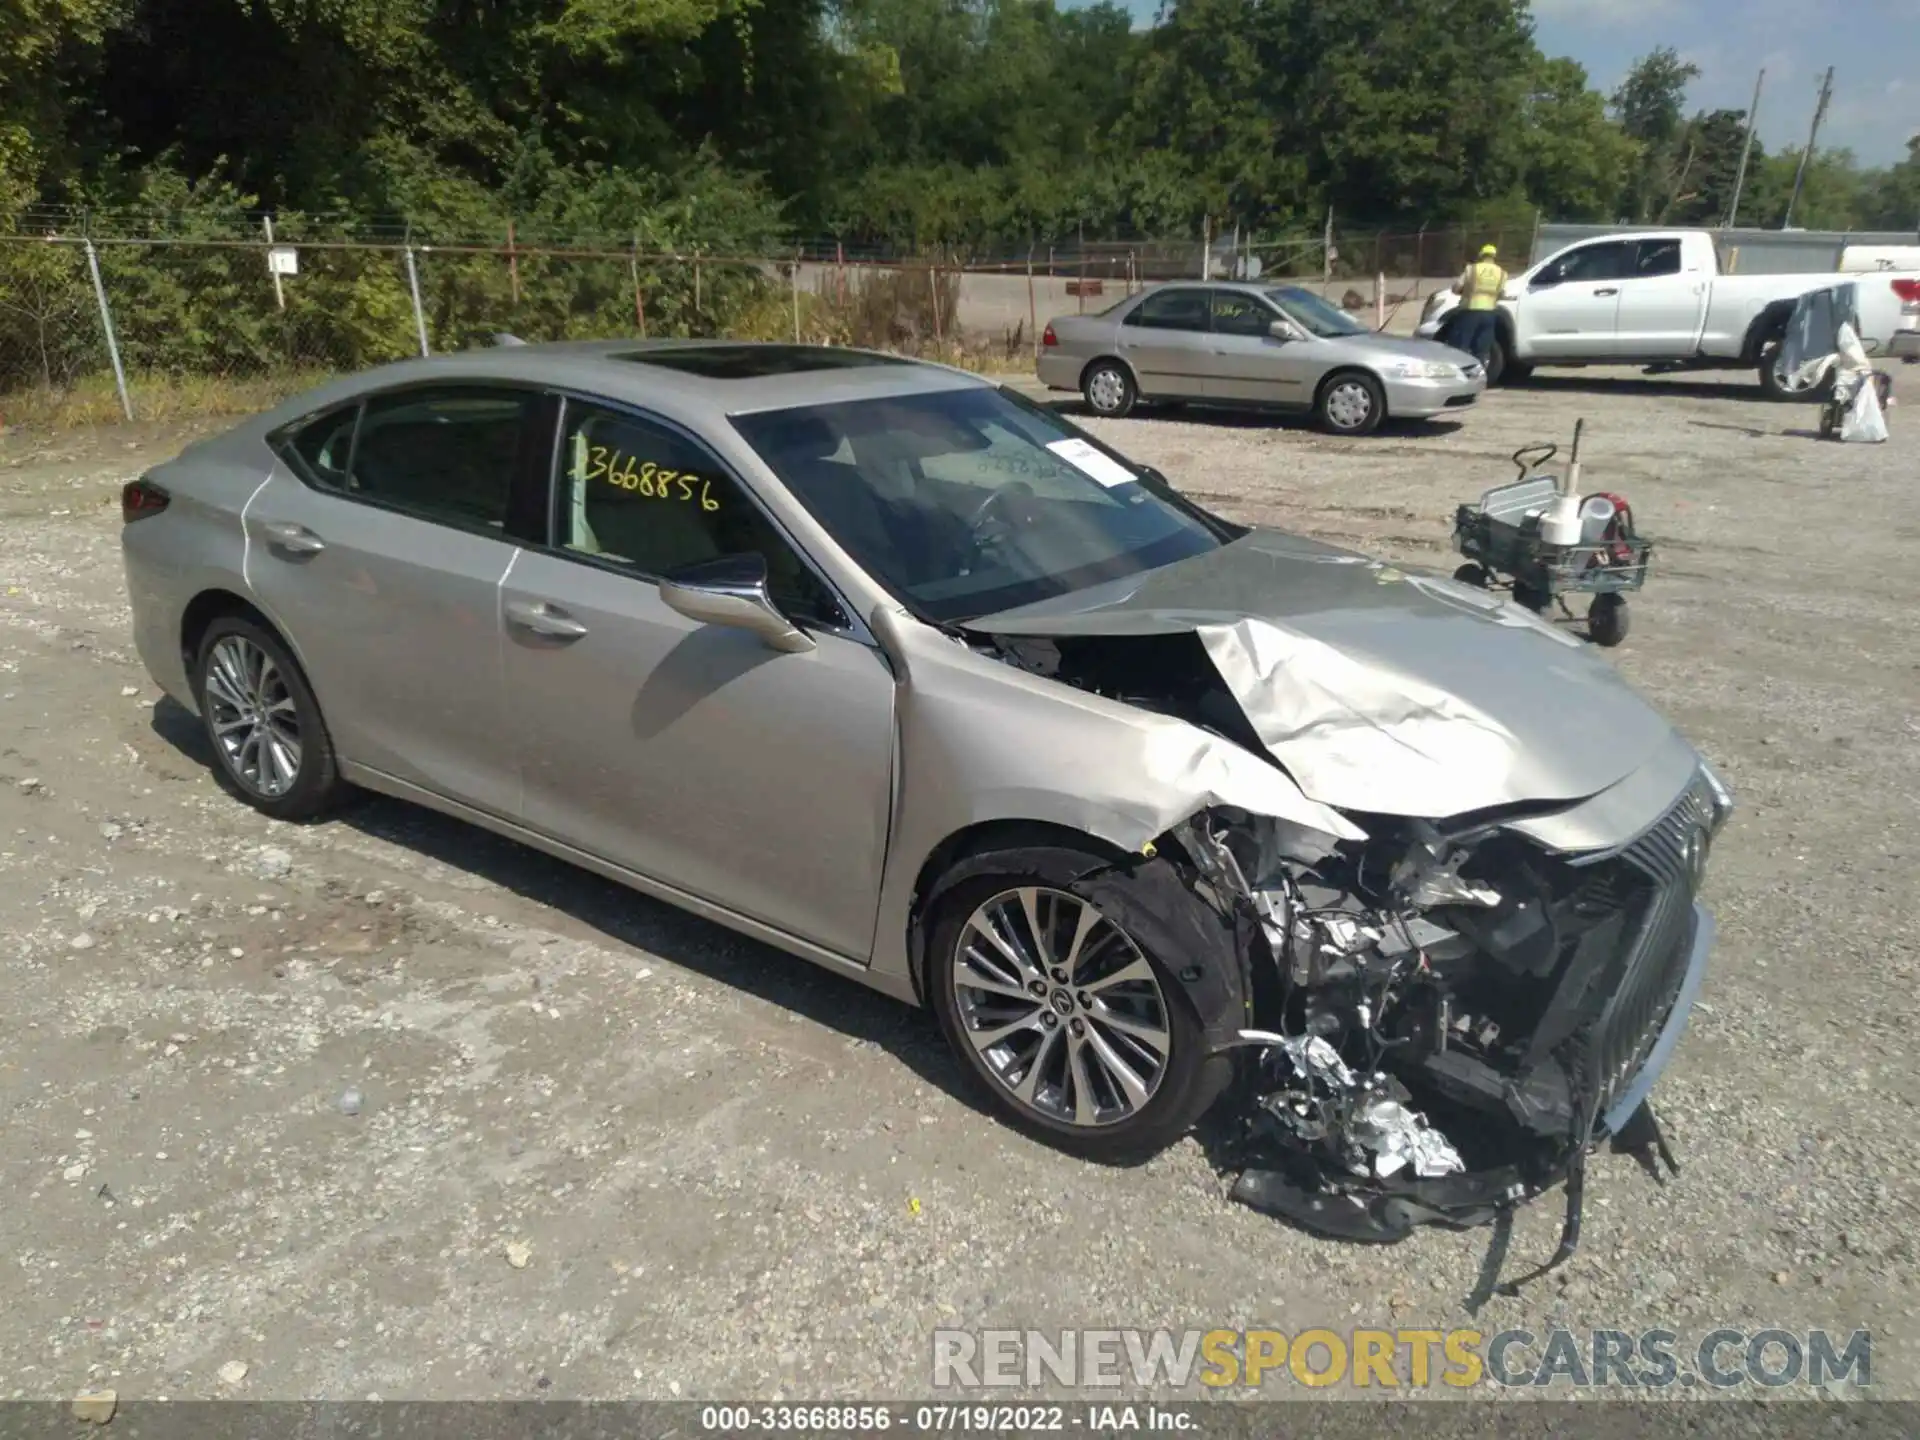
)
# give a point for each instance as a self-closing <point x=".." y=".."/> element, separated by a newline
<point x="1908" y="290"/>
<point x="1048" y="337"/>
<point x="141" y="498"/>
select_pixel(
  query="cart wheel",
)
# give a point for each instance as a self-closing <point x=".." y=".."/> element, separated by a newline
<point x="1474" y="575"/>
<point x="1607" y="619"/>
<point x="1534" y="600"/>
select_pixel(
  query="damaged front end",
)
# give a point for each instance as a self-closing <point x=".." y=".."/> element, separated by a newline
<point x="1446" y="1021"/>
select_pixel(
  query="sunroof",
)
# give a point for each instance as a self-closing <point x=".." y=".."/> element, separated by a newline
<point x="755" y="362"/>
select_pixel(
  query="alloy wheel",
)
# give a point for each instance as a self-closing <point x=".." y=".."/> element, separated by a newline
<point x="252" y="716"/>
<point x="1061" y="1006"/>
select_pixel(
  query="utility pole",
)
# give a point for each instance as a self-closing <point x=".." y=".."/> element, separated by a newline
<point x="1800" y="175"/>
<point x="1740" y="176"/>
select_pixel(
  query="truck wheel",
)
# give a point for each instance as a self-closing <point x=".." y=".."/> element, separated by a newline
<point x="1496" y="362"/>
<point x="1607" y="619"/>
<point x="1773" y="374"/>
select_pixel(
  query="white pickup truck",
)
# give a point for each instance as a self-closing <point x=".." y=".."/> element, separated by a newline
<point x="1657" y="298"/>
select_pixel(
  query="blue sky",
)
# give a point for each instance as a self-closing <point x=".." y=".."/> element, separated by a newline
<point x="1873" y="45"/>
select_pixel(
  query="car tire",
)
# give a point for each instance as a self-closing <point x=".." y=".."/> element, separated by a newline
<point x="1108" y="389"/>
<point x="1073" y="1066"/>
<point x="1607" y="620"/>
<point x="1350" y="402"/>
<point x="249" y="686"/>
<point x="1497" y="368"/>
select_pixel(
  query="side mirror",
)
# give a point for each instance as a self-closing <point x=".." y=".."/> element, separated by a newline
<point x="1281" y="330"/>
<point x="732" y="591"/>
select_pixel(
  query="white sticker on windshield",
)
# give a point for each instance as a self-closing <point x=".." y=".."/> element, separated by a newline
<point x="1089" y="461"/>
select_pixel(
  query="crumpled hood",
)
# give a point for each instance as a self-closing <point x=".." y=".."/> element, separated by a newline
<point x="1380" y="689"/>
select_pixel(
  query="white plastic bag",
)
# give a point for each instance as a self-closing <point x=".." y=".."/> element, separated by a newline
<point x="1864" y="421"/>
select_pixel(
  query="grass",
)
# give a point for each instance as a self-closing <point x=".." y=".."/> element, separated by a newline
<point x="93" y="399"/>
<point x="161" y="398"/>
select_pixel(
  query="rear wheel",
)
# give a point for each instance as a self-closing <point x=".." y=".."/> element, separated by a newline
<point x="1351" y="403"/>
<point x="1077" y="1033"/>
<point x="268" y="737"/>
<point x="1108" y="389"/>
<point x="1773" y="373"/>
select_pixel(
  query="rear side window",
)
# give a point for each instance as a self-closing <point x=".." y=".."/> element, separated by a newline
<point x="1171" y="310"/>
<point x="1658" y="257"/>
<point x="1611" y="261"/>
<point x="447" y="455"/>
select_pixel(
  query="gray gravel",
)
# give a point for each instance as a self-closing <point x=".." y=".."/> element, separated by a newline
<point x="384" y="1106"/>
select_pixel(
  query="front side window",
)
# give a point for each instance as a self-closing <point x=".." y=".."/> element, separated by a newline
<point x="1237" y="313"/>
<point x="1171" y="310"/>
<point x="644" y="496"/>
<point x="448" y="455"/>
<point x="1611" y="261"/>
<point x="964" y="502"/>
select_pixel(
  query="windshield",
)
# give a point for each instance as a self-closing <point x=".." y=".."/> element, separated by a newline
<point x="1313" y="314"/>
<point x="963" y="502"/>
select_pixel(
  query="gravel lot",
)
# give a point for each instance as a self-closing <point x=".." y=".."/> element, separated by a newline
<point x="385" y="1106"/>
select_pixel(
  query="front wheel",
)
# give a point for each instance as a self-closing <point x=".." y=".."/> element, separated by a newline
<point x="1607" y="619"/>
<point x="1351" y="403"/>
<point x="1077" y="1033"/>
<point x="1108" y="389"/>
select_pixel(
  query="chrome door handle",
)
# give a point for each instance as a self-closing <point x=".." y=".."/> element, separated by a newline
<point x="292" y="538"/>
<point x="1609" y="291"/>
<point x="544" y="619"/>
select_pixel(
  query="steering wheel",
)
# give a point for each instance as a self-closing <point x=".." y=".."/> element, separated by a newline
<point x="977" y="522"/>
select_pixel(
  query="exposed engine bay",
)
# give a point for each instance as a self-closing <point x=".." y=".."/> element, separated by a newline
<point x="1440" y="1021"/>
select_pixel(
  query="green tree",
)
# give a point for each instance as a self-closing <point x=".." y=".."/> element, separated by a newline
<point x="1572" y="161"/>
<point x="1649" y="105"/>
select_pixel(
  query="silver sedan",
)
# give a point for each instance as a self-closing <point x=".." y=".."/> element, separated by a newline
<point x="1253" y="346"/>
<point x="907" y="676"/>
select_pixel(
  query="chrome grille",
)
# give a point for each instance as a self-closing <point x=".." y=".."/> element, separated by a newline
<point x="1669" y="856"/>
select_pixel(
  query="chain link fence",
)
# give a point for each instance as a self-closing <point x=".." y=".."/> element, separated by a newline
<point x="139" y="324"/>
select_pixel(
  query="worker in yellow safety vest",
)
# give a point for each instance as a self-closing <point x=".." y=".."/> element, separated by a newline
<point x="1479" y="288"/>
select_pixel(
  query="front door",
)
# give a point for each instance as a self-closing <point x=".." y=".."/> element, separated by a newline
<point x="1572" y="303"/>
<point x="381" y="562"/>
<point x="1165" y="339"/>
<point x="1249" y="363"/>
<point x="694" y="754"/>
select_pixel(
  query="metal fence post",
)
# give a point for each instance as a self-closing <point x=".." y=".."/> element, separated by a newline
<point x="419" y="315"/>
<point x="106" y="328"/>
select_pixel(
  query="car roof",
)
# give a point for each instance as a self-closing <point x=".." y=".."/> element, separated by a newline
<point x="693" y="380"/>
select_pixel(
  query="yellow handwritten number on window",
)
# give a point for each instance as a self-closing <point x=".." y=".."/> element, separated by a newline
<point x="647" y="478"/>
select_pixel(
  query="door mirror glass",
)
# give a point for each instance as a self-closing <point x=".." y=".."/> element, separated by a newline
<point x="1281" y="330"/>
<point x="732" y="591"/>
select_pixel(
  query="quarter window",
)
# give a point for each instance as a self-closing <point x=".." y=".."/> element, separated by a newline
<point x="1658" y="257"/>
<point x="642" y="496"/>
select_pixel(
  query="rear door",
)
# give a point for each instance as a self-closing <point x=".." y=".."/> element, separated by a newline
<point x="1661" y="303"/>
<point x="1572" y="304"/>
<point x="1249" y="363"/>
<point x="378" y="545"/>
<point x="1165" y="339"/>
<point x="693" y="754"/>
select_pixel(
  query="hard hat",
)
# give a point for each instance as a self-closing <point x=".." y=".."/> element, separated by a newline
<point x="1486" y="250"/>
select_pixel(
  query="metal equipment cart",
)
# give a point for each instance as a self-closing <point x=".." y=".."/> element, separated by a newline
<point x="1500" y="538"/>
